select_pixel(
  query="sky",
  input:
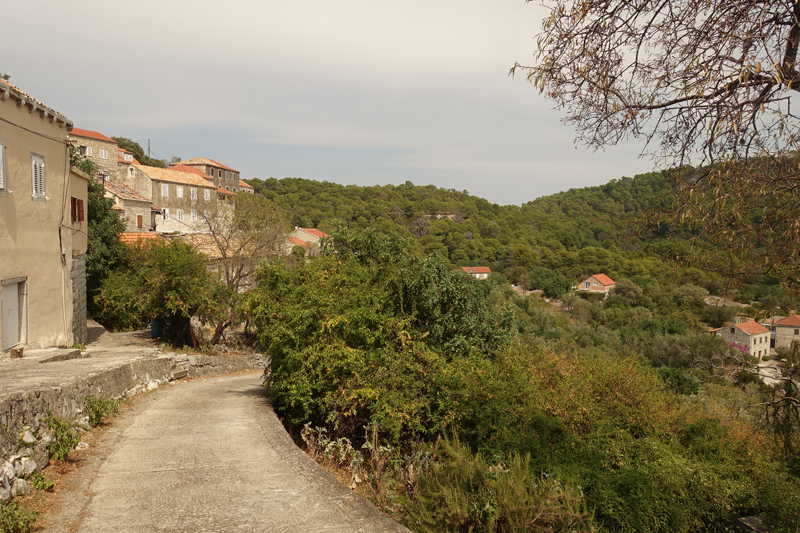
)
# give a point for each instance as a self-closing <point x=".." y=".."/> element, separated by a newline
<point x="352" y="92"/>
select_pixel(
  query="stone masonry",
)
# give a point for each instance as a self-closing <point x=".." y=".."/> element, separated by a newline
<point x="78" y="275"/>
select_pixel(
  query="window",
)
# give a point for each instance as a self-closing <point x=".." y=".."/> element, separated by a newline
<point x="103" y="153"/>
<point x="128" y="157"/>
<point x="77" y="210"/>
<point x="138" y="221"/>
<point x="166" y="213"/>
<point x="179" y="216"/>
<point x="193" y="192"/>
<point x="85" y="151"/>
<point x="586" y="285"/>
<point x="194" y="215"/>
<point x="179" y="191"/>
<point x="733" y="330"/>
<point x="164" y="190"/>
<point x="37" y="176"/>
<point x="219" y="173"/>
<point x="797" y="332"/>
<point x="207" y="195"/>
<point x="226" y="175"/>
<point x="3" y="171"/>
<point x="130" y="172"/>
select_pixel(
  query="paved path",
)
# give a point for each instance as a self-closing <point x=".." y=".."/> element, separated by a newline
<point x="207" y="456"/>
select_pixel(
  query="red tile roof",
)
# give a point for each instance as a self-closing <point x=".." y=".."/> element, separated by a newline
<point x="175" y="176"/>
<point x="89" y="134"/>
<point x="245" y="185"/>
<point x="124" y="192"/>
<point x="10" y="89"/>
<point x="297" y="242"/>
<point x="193" y="170"/>
<point x="315" y="232"/>
<point x="220" y="190"/>
<point x="128" y="238"/>
<point x="205" y="161"/>
<point x="790" y="321"/>
<point x="751" y="327"/>
<point x="605" y="280"/>
<point x="477" y="270"/>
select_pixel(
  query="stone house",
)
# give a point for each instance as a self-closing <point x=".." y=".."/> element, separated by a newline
<point x="43" y="227"/>
<point x="99" y="149"/>
<point x="245" y="187"/>
<point x="224" y="176"/>
<point x="750" y="334"/>
<point x="478" y="272"/>
<point x="786" y="331"/>
<point x="139" y="213"/>
<point x="598" y="283"/>
<point x="308" y="235"/>
<point x="179" y="195"/>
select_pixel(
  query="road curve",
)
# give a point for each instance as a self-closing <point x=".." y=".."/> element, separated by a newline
<point x="207" y="456"/>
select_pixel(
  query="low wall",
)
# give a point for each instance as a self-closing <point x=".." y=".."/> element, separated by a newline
<point x="29" y="408"/>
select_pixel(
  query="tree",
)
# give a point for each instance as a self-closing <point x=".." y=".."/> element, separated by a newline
<point x="138" y="152"/>
<point x="170" y="281"/>
<point x="243" y="233"/>
<point x="706" y="84"/>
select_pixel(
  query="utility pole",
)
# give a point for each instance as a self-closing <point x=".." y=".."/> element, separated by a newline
<point x="148" y="148"/>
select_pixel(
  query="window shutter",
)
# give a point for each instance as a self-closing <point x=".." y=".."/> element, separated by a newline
<point x="138" y="221"/>
<point x="74" y="209"/>
<point x="37" y="176"/>
<point x="2" y="167"/>
<point x="88" y="151"/>
<point x="81" y="218"/>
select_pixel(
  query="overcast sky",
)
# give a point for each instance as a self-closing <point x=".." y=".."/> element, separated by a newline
<point x="353" y="91"/>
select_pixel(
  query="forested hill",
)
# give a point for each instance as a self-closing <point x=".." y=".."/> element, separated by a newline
<point x="468" y="230"/>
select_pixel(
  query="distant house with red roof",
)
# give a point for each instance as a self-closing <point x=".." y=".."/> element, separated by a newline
<point x="246" y="187"/>
<point x="307" y="238"/>
<point x="138" y="210"/>
<point x="752" y="335"/>
<point x="224" y="176"/>
<point x="99" y="149"/>
<point x="478" y="272"/>
<point x="598" y="283"/>
<point x="786" y="331"/>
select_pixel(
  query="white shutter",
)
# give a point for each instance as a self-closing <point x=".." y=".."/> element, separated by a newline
<point x="207" y="195"/>
<point x="37" y="176"/>
<point x="179" y="191"/>
<point x="3" y="180"/>
<point x="88" y="151"/>
<point x="164" y="190"/>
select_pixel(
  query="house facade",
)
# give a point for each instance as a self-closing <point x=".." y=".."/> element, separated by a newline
<point x="752" y="335"/>
<point x="180" y="195"/>
<point x="598" y="283"/>
<point x="478" y="272"/>
<point x="786" y="331"/>
<point x="224" y="176"/>
<point x="43" y="227"/>
<point x="99" y="149"/>
<point x="139" y="213"/>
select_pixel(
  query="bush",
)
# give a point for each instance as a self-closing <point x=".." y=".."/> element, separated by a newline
<point x="16" y="520"/>
<point x="100" y="408"/>
<point x="65" y="438"/>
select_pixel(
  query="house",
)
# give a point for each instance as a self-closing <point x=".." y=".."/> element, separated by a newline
<point x="43" y="227"/>
<point x="179" y="195"/>
<point x="308" y="235"/>
<point x="750" y="334"/>
<point x="137" y="210"/>
<point x="246" y="187"/>
<point x="478" y="272"/>
<point x="224" y="176"/>
<point x="598" y="283"/>
<point x="99" y="149"/>
<point x="785" y="331"/>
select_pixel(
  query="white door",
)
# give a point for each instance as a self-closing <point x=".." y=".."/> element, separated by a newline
<point x="10" y="298"/>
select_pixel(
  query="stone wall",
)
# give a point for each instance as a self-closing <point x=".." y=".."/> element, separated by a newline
<point x="29" y="408"/>
<point x="80" y="333"/>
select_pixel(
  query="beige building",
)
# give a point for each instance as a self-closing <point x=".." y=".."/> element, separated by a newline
<point x="99" y="149"/>
<point x="224" y="176"/>
<point x="752" y="335"/>
<point x="598" y="283"/>
<point x="786" y="331"/>
<point x="139" y="213"/>
<point x="43" y="227"/>
<point x="181" y="196"/>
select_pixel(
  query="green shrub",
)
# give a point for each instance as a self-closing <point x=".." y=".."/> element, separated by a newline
<point x="100" y="408"/>
<point x="765" y="358"/>
<point x="39" y="482"/>
<point x="65" y="438"/>
<point x="16" y="520"/>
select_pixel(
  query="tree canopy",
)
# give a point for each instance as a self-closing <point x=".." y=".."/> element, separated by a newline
<point x="706" y="84"/>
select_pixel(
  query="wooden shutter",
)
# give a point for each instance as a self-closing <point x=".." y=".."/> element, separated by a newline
<point x="138" y="221"/>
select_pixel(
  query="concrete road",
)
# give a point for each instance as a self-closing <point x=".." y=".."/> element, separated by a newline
<point x="207" y="456"/>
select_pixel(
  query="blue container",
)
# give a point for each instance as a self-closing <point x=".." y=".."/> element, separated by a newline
<point x="156" y="328"/>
